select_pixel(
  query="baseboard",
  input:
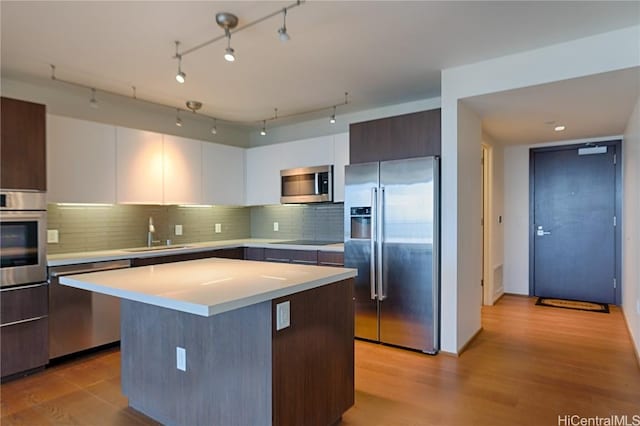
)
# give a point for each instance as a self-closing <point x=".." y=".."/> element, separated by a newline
<point x="464" y="347"/>
<point x="497" y="297"/>
<point x="636" y="349"/>
<point x="516" y="295"/>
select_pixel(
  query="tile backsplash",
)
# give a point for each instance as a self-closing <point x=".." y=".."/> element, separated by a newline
<point x="89" y="228"/>
<point x="304" y="221"/>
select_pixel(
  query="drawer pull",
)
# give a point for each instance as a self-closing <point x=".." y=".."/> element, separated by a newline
<point x="331" y="264"/>
<point x="274" y="259"/>
<point x="309" y="262"/>
<point x="23" y="321"/>
<point x="23" y="287"/>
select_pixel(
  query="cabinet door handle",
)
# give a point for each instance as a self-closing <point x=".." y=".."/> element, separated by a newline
<point x="23" y="321"/>
<point x="331" y="264"/>
<point x="275" y="259"/>
<point x="309" y="262"/>
<point x="23" y="287"/>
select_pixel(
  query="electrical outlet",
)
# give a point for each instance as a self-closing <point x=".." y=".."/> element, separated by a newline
<point x="218" y="228"/>
<point x="283" y="315"/>
<point x="276" y="226"/>
<point x="178" y="229"/>
<point x="52" y="236"/>
<point x="181" y="358"/>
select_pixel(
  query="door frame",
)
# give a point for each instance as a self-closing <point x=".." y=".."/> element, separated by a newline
<point x="617" y="143"/>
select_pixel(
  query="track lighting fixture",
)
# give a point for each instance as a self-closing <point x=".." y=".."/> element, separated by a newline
<point x="332" y="120"/>
<point x="178" y="119"/>
<point x="228" y="22"/>
<point x="214" y="129"/>
<point x="282" y="31"/>
<point x="263" y="132"/>
<point x="93" y="103"/>
<point x="180" y="76"/>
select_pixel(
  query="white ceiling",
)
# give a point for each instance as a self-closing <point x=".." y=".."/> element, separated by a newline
<point x="589" y="107"/>
<point x="382" y="52"/>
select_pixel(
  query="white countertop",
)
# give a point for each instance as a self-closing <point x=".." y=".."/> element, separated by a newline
<point x="106" y="255"/>
<point x="208" y="286"/>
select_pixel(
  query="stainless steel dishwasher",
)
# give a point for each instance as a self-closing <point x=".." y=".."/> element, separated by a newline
<point x="80" y="319"/>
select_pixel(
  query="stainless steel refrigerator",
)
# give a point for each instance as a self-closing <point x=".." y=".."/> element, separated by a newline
<point x="391" y="236"/>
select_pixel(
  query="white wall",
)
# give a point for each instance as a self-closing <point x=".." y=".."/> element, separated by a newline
<point x="469" y="215"/>
<point x="71" y="101"/>
<point x="605" y="52"/>
<point x="322" y="127"/>
<point x="630" y="226"/>
<point x="516" y="212"/>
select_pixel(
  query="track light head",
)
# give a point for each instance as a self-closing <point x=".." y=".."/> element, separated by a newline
<point x="214" y="130"/>
<point x="229" y="54"/>
<point x="282" y="31"/>
<point x="180" y="76"/>
<point x="332" y="120"/>
<point x="93" y="102"/>
<point x="283" y="35"/>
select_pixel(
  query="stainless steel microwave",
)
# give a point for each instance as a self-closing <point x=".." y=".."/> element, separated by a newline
<point x="306" y="185"/>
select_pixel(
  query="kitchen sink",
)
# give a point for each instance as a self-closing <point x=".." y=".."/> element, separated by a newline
<point x="157" y="248"/>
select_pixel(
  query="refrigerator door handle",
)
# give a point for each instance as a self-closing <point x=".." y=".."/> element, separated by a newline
<point x="372" y="239"/>
<point x="380" y="225"/>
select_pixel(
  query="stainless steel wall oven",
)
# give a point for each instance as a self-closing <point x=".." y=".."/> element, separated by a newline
<point x="23" y="233"/>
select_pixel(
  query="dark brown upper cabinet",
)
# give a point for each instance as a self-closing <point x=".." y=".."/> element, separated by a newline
<point x="23" y="145"/>
<point x="395" y="138"/>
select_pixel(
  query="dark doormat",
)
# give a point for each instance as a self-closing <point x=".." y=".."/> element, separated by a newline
<point x="573" y="304"/>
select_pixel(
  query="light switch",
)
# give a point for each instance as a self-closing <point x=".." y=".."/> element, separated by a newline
<point x="178" y="229"/>
<point x="276" y="226"/>
<point x="283" y="315"/>
<point x="218" y="228"/>
<point x="181" y="358"/>
<point x="52" y="236"/>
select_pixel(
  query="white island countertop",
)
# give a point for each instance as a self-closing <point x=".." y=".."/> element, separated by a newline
<point x="208" y="287"/>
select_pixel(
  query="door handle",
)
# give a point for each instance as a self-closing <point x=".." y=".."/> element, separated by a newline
<point x="540" y="232"/>
<point x="380" y="279"/>
<point x="372" y="238"/>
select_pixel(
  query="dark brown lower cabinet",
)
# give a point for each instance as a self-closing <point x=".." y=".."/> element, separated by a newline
<point x="253" y="253"/>
<point x="229" y="253"/>
<point x="305" y="257"/>
<point x="24" y="333"/>
<point x="313" y="358"/>
<point x="330" y="258"/>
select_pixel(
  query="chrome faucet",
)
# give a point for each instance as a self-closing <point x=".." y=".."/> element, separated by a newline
<point x="152" y="230"/>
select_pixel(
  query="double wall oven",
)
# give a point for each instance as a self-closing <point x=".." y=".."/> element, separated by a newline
<point x="23" y="282"/>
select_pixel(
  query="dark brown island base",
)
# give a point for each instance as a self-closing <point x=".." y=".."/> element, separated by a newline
<point x="243" y="365"/>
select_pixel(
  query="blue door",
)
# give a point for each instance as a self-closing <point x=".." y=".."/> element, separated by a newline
<point x="573" y="231"/>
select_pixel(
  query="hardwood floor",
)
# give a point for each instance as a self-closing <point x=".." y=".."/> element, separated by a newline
<point x="529" y="365"/>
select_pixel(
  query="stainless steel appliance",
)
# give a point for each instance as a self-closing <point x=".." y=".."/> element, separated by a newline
<point x="391" y="237"/>
<point x="23" y="244"/>
<point x="306" y="185"/>
<point x="80" y="319"/>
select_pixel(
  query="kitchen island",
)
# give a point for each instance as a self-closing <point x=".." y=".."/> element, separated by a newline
<point x="233" y="342"/>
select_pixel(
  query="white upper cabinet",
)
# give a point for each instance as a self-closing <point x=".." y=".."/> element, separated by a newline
<point x="81" y="161"/>
<point x="223" y="174"/>
<point x="140" y="163"/>
<point x="182" y="170"/>
<point x="263" y="165"/>
<point x="340" y="160"/>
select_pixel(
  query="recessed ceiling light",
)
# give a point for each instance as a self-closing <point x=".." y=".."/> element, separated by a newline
<point x="559" y="128"/>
